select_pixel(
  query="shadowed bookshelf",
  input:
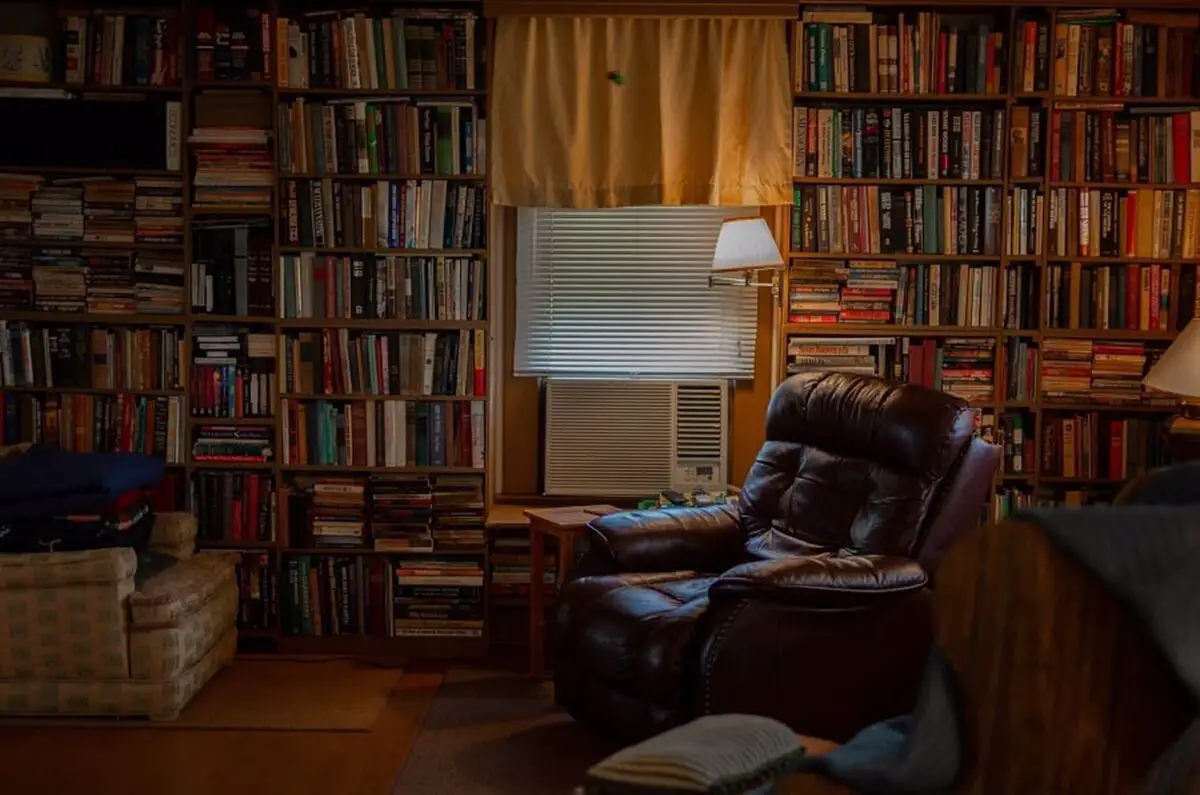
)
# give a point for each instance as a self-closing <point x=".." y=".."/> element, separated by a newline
<point x="277" y="282"/>
<point x="1001" y="202"/>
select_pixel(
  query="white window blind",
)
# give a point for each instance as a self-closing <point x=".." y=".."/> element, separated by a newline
<point x="624" y="293"/>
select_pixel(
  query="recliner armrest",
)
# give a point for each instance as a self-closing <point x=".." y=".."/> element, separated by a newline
<point x="708" y="539"/>
<point x="823" y="581"/>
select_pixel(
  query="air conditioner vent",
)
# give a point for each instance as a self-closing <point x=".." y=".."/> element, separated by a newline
<point x="700" y="421"/>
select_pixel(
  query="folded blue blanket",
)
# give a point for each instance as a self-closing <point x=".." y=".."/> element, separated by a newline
<point x="48" y="481"/>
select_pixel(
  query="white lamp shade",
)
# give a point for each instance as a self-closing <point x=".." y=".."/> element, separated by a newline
<point x="1178" y="371"/>
<point x="746" y="244"/>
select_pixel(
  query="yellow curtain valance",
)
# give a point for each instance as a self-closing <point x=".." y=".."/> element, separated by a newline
<point x="618" y="111"/>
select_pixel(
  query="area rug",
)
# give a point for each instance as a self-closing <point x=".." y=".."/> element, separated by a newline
<point x="490" y="733"/>
<point x="269" y="695"/>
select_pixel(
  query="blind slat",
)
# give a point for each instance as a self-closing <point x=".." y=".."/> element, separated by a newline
<point x="624" y="293"/>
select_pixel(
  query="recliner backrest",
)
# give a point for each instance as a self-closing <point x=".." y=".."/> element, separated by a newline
<point x="851" y="463"/>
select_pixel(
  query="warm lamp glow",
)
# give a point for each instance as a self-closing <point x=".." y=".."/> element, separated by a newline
<point x="1178" y="371"/>
<point x="746" y="244"/>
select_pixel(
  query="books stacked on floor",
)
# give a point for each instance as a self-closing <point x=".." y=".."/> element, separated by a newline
<point x="233" y="373"/>
<point x="232" y="444"/>
<point x="233" y="168"/>
<point x="16" y="214"/>
<point x="58" y="212"/>
<point x="1066" y="372"/>
<point x="339" y="512"/>
<point x="59" y="281"/>
<point x="458" y="512"/>
<point x="234" y="506"/>
<point x="111" y="287"/>
<point x="158" y="283"/>
<point x="864" y="355"/>
<point x="16" y="277"/>
<point x="325" y="595"/>
<point x="1117" y="370"/>
<point x="158" y="210"/>
<point x="258" y="592"/>
<point x="433" y="597"/>
<point x="108" y="211"/>
<point x="401" y="513"/>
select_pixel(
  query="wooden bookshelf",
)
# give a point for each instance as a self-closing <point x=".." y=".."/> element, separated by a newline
<point x="835" y="90"/>
<point x="212" y="100"/>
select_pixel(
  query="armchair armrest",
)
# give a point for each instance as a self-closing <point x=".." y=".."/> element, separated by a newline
<point x="707" y="539"/>
<point x="174" y="534"/>
<point x="823" y="581"/>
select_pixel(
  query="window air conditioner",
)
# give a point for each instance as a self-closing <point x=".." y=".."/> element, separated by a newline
<point x="635" y="438"/>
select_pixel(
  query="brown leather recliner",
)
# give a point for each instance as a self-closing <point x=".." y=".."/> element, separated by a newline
<point x="808" y="603"/>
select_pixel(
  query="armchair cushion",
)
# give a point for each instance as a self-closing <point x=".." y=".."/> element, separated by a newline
<point x="708" y="539"/>
<point x="823" y="581"/>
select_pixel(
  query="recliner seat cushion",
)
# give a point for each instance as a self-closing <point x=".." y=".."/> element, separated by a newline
<point x="635" y="632"/>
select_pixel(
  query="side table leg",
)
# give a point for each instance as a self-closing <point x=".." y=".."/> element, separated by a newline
<point x="537" y="610"/>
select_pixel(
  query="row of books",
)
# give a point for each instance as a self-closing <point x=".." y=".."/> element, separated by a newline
<point x="96" y="423"/>
<point x="234" y="168"/>
<point x="384" y="433"/>
<point x="1064" y="370"/>
<point x="1136" y="297"/>
<point x="395" y="214"/>
<point x="341" y="362"/>
<point x="110" y="49"/>
<point x="876" y="292"/>
<point x="233" y="373"/>
<point x="379" y="287"/>
<point x="87" y="357"/>
<point x="1110" y="53"/>
<point x="232" y="43"/>
<point x="1128" y="223"/>
<point x="898" y="143"/>
<point x="870" y="219"/>
<point x="1093" y="446"/>
<point x="233" y="506"/>
<point x="435" y="137"/>
<point x="232" y="268"/>
<point x="854" y="50"/>
<point x="386" y="512"/>
<point x="1147" y="146"/>
<point x="406" y="49"/>
<point x="91" y="210"/>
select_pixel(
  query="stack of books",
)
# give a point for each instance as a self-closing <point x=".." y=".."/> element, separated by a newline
<point x="339" y="512"/>
<point x="1117" y="370"/>
<point x="458" y="513"/>
<point x="16" y="216"/>
<point x="16" y="277"/>
<point x="59" y="282"/>
<point x="1066" y="372"/>
<point x="108" y="211"/>
<point x="58" y="212"/>
<point x="436" y="598"/>
<point x="233" y="168"/>
<point x="158" y="210"/>
<point x="159" y="283"/>
<point x="110" y="283"/>
<point x="232" y="444"/>
<point x="401" y="513"/>
<point x="864" y="355"/>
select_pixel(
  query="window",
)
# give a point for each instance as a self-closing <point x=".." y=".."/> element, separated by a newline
<point x="623" y="293"/>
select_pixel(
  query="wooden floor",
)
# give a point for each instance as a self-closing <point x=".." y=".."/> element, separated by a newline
<point x="108" y="761"/>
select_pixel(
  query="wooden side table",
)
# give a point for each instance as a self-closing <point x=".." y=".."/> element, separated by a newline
<point x="564" y="524"/>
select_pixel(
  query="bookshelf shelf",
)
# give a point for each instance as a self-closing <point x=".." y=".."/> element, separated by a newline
<point x="89" y="88"/>
<point x="412" y="470"/>
<point x="96" y="245"/>
<point x="1042" y="150"/>
<point x="87" y="171"/>
<point x="92" y="390"/>
<point x="387" y="93"/>
<point x="379" y="324"/>
<point x="415" y="553"/>
<point x="392" y="252"/>
<point x="381" y="177"/>
<point x="94" y="318"/>
<point x="370" y="398"/>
